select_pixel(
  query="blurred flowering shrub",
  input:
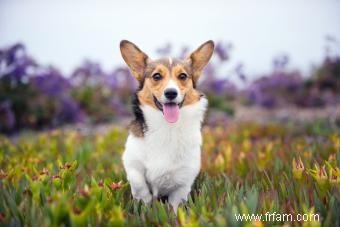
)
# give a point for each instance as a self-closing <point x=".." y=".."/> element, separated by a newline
<point x="324" y="85"/>
<point x="279" y="88"/>
<point x="102" y="96"/>
<point x="30" y="95"/>
<point x="282" y="87"/>
<point x="219" y="90"/>
<point x="35" y="96"/>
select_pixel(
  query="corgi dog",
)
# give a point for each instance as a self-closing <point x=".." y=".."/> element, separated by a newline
<point x="162" y="154"/>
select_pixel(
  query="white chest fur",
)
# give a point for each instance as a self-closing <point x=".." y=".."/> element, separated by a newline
<point x="166" y="160"/>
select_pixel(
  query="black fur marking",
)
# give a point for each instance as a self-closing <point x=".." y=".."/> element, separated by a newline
<point x="193" y="84"/>
<point x="137" y="111"/>
<point x="192" y="79"/>
<point x="141" y="84"/>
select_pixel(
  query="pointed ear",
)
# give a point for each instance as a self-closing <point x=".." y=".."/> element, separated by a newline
<point x="200" y="58"/>
<point x="134" y="58"/>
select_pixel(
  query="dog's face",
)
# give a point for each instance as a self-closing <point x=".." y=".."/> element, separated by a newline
<point x="167" y="84"/>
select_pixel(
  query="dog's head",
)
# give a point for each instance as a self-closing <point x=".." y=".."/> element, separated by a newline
<point x="167" y="84"/>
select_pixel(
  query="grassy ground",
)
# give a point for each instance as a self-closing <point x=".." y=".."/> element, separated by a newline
<point x="67" y="178"/>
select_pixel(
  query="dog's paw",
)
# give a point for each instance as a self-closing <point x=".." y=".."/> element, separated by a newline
<point x="147" y="198"/>
<point x="143" y="195"/>
<point x="175" y="203"/>
<point x="177" y="197"/>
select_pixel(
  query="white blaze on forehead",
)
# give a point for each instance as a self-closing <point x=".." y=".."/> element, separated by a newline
<point x="170" y="61"/>
<point x="172" y="84"/>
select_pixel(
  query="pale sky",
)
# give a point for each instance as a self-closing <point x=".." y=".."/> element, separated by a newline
<point x="64" y="32"/>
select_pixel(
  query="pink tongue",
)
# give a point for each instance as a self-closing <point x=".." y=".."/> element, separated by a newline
<point x="171" y="112"/>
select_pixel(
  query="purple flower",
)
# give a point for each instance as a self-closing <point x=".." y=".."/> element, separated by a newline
<point x="15" y="65"/>
<point x="51" y="83"/>
<point x="222" y="51"/>
<point x="184" y="53"/>
<point x="119" y="108"/>
<point x="280" y="62"/>
<point x="121" y="78"/>
<point x="219" y="86"/>
<point x="240" y="73"/>
<point x="89" y="73"/>
<point x="13" y="53"/>
<point x="274" y="89"/>
<point x="68" y="111"/>
<point x="7" y="117"/>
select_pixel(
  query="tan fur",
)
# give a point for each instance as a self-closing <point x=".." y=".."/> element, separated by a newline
<point x="200" y="58"/>
<point x="134" y="58"/>
<point x="143" y="68"/>
<point x="154" y="88"/>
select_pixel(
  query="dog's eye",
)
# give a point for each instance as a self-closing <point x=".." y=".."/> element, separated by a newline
<point x="156" y="77"/>
<point x="182" y="76"/>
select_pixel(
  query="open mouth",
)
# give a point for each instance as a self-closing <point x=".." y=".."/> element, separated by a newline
<point x="170" y="110"/>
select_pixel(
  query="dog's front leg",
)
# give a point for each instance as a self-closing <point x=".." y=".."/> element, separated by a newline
<point x="139" y="187"/>
<point x="179" y="195"/>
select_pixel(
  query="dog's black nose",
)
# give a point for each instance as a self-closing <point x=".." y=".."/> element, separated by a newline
<point x="170" y="93"/>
